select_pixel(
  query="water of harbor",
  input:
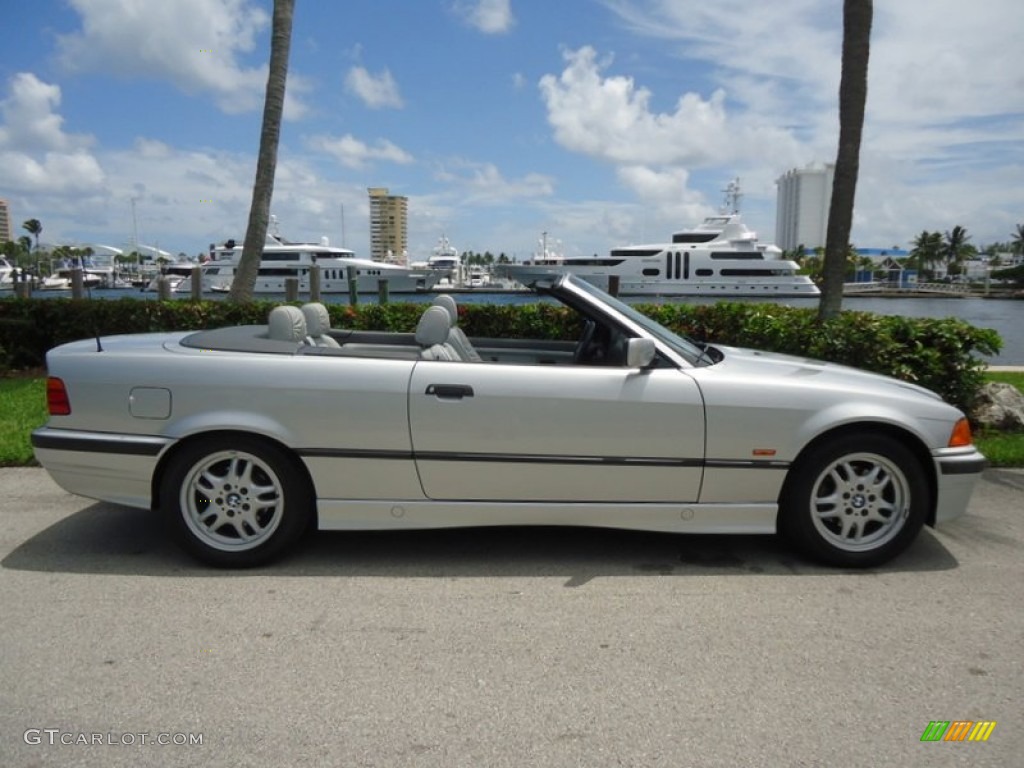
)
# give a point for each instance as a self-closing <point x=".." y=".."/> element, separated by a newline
<point x="1005" y="316"/>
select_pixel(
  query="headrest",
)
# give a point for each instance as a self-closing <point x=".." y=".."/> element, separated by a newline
<point x="318" y="319"/>
<point x="446" y="301"/>
<point x="433" y="327"/>
<point x="286" y="324"/>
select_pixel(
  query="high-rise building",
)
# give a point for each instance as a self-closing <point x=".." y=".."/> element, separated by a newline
<point x="388" y="233"/>
<point x="6" y="230"/>
<point x="801" y="213"/>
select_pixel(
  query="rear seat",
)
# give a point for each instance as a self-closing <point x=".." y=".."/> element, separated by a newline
<point x="432" y="339"/>
<point x="287" y="323"/>
<point x="318" y="324"/>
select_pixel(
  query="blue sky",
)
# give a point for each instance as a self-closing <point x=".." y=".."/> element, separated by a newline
<point x="600" y="122"/>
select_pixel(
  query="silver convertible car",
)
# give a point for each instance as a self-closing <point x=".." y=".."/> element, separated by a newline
<point x="244" y="437"/>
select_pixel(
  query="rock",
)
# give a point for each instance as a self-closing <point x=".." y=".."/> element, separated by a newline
<point x="999" y="406"/>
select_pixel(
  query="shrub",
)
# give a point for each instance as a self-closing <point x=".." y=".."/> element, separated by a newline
<point x="937" y="354"/>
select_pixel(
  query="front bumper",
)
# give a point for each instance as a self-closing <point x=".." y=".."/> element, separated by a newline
<point x="956" y="472"/>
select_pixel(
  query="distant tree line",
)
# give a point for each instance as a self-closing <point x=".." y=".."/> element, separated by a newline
<point x="931" y="253"/>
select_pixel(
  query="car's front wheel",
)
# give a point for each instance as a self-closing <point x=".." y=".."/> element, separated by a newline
<point x="856" y="501"/>
<point x="235" y="501"/>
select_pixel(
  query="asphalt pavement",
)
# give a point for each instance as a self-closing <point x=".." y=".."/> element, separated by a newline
<point x="502" y="647"/>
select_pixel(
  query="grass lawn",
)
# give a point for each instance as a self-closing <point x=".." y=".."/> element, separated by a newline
<point x="23" y="408"/>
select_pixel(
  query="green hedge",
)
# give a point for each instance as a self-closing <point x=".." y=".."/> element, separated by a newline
<point x="938" y="354"/>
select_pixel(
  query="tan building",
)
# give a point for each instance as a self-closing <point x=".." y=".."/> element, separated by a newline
<point x="388" y="231"/>
<point x="6" y="230"/>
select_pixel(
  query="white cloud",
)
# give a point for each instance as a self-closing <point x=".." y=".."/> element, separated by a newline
<point x="492" y="17"/>
<point x="29" y="117"/>
<point x="195" y="44"/>
<point x="353" y="153"/>
<point x="483" y="183"/>
<point x="943" y="114"/>
<point x="36" y="155"/>
<point x="80" y="192"/>
<point x="376" y="91"/>
<point x="610" y="118"/>
<point x="665" y="193"/>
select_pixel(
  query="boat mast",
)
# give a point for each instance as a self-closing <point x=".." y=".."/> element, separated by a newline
<point x="732" y="197"/>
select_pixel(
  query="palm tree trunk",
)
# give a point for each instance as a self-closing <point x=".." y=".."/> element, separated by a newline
<point x="263" y="189"/>
<point x="853" y="93"/>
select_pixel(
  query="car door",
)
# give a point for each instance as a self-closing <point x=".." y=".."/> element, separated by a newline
<point x="508" y="432"/>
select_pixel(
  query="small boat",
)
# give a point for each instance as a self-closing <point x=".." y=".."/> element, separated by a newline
<point x="62" y="280"/>
<point x="179" y="277"/>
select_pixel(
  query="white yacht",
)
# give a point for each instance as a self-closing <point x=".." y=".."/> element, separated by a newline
<point x="720" y="257"/>
<point x="445" y="263"/>
<point x="283" y="259"/>
<point x="6" y="274"/>
<point x="178" y="274"/>
<point x="62" y="280"/>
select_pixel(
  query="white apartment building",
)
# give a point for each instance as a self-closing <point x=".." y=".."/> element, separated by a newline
<point x="801" y="213"/>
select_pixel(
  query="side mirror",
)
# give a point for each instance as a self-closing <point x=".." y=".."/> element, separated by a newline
<point x="639" y="353"/>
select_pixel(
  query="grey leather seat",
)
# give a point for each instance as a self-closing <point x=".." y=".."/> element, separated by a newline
<point x="287" y="324"/>
<point x="456" y="338"/>
<point x="318" y="323"/>
<point x="432" y="335"/>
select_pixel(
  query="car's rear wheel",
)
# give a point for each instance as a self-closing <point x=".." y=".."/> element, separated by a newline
<point x="235" y="501"/>
<point x="856" y="501"/>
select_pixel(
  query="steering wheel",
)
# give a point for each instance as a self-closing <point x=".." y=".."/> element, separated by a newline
<point x="616" y="352"/>
<point x="582" y="352"/>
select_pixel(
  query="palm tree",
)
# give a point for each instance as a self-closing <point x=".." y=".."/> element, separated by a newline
<point x="927" y="250"/>
<point x="853" y="94"/>
<point x="1017" y="245"/>
<point x="263" y="189"/>
<point x="955" y="248"/>
<point x="34" y="228"/>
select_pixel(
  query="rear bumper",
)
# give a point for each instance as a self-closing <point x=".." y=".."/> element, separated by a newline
<point x="956" y="473"/>
<point x="101" y="465"/>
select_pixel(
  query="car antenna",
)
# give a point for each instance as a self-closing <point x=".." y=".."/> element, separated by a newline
<point x="96" y="330"/>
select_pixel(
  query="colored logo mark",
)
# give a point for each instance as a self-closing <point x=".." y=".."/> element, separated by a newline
<point x="958" y="730"/>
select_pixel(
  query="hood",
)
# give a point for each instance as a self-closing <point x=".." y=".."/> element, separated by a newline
<point x="775" y="366"/>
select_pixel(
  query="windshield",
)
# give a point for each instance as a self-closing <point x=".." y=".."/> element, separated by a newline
<point x="682" y="345"/>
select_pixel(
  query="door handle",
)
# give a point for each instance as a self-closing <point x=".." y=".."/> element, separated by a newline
<point x="450" y="391"/>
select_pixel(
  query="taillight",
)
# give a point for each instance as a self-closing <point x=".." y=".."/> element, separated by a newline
<point x="961" y="434"/>
<point x="57" y="401"/>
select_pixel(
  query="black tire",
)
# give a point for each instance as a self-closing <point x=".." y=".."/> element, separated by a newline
<point x="235" y="501"/>
<point x="854" y="502"/>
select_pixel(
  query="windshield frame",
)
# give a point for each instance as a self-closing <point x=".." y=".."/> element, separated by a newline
<point x="683" y="347"/>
